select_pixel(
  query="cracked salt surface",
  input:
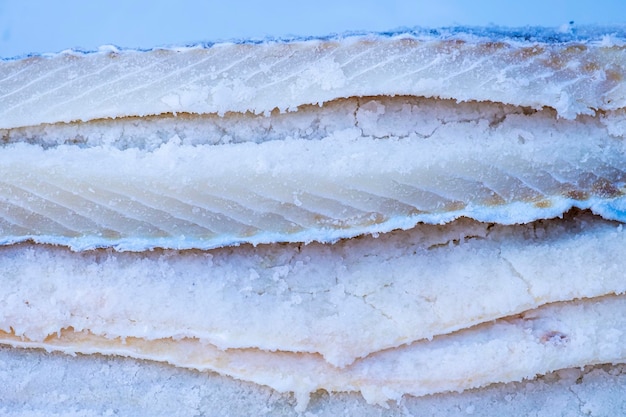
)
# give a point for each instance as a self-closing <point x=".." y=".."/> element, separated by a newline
<point x="398" y="117"/>
<point x="336" y="300"/>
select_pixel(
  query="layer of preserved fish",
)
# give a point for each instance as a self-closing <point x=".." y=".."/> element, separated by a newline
<point x="551" y="337"/>
<point x="366" y="165"/>
<point x="579" y="76"/>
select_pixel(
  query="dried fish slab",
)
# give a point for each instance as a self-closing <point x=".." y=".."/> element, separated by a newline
<point x="573" y="78"/>
<point x="210" y="196"/>
<point x="538" y="341"/>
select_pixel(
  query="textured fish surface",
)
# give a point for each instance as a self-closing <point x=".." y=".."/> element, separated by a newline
<point x="472" y="184"/>
<point x="571" y="77"/>
<point x="552" y="337"/>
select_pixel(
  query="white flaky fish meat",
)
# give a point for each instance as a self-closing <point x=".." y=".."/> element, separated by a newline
<point x="391" y="214"/>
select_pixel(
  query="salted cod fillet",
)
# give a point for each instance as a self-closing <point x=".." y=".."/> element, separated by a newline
<point x="575" y="77"/>
<point x="487" y="162"/>
<point x="540" y="131"/>
<point x="551" y="337"/>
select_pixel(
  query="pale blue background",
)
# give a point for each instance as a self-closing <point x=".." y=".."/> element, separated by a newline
<point x="31" y="26"/>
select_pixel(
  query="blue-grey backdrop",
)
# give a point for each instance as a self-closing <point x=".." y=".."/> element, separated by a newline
<point x="35" y="26"/>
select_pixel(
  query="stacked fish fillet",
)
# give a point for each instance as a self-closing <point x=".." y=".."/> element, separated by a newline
<point x="389" y="214"/>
